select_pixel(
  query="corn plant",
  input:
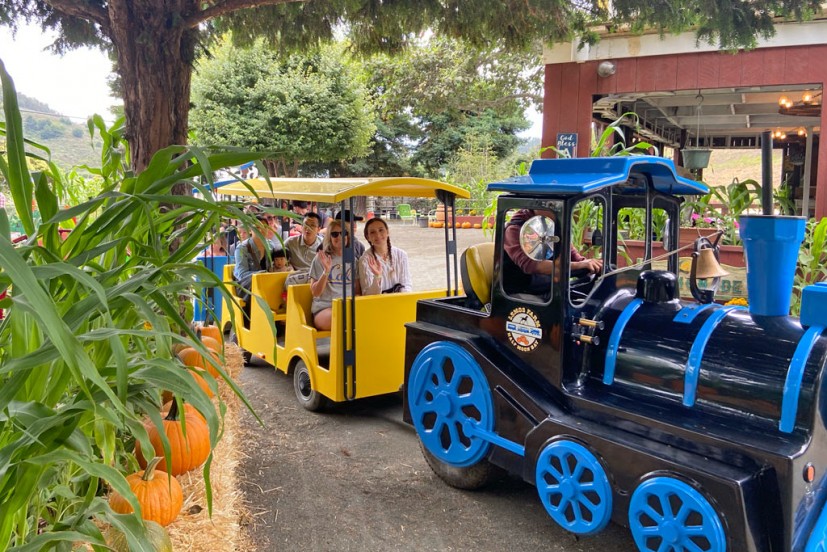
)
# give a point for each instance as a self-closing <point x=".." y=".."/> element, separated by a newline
<point x="812" y="261"/>
<point x="91" y="317"/>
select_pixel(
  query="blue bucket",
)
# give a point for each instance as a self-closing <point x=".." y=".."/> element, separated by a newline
<point x="771" y="248"/>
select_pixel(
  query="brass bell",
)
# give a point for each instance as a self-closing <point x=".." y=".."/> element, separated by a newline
<point x="708" y="265"/>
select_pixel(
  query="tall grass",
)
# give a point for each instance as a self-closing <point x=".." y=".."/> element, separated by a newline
<point x="86" y="344"/>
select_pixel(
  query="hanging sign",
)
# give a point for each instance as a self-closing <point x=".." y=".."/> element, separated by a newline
<point x="567" y="141"/>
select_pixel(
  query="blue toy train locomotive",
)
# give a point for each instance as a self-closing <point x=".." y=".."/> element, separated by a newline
<point x="699" y="426"/>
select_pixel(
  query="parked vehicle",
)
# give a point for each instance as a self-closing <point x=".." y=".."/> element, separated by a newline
<point x="699" y="426"/>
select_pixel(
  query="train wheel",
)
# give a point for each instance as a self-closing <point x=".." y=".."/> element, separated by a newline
<point x="308" y="397"/>
<point x="246" y="355"/>
<point x="447" y="388"/>
<point x="574" y="488"/>
<point x="668" y="514"/>
<point x="468" y="478"/>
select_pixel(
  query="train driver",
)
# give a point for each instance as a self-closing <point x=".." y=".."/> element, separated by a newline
<point x="524" y="274"/>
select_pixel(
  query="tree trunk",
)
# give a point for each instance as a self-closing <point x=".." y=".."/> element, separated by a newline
<point x="155" y="60"/>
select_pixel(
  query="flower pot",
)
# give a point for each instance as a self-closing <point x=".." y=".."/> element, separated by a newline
<point x="440" y="213"/>
<point x="422" y="221"/>
<point x="696" y="158"/>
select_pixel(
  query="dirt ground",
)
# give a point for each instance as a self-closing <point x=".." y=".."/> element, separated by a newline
<point x="352" y="478"/>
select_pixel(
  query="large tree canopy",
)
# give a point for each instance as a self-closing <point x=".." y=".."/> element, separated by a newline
<point x="302" y="108"/>
<point x="154" y="41"/>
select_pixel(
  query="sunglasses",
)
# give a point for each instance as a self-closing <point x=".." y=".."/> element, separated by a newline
<point x="335" y="234"/>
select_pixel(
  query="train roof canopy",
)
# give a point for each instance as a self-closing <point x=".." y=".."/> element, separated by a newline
<point x="589" y="174"/>
<point x="334" y="190"/>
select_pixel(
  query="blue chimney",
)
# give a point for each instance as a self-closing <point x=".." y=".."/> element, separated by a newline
<point x="771" y="248"/>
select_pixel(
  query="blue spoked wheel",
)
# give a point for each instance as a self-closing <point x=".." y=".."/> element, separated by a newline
<point x="574" y="488"/>
<point x="446" y="389"/>
<point x="666" y="515"/>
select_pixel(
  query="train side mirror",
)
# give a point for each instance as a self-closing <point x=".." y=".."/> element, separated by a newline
<point x="537" y="238"/>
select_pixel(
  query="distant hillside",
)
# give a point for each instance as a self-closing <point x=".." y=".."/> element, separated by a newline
<point x="725" y="165"/>
<point x="68" y="142"/>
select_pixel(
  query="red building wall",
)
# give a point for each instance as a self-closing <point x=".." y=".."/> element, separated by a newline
<point x="569" y="87"/>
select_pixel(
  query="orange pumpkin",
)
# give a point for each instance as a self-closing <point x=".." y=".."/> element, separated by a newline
<point x="186" y="453"/>
<point x="477" y="225"/>
<point x="197" y="374"/>
<point x="191" y="357"/>
<point x="189" y="409"/>
<point x="212" y="344"/>
<point x="439" y="224"/>
<point x="466" y="225"/>
<point x="158" y="493"/>
<point x="213" y="332"/>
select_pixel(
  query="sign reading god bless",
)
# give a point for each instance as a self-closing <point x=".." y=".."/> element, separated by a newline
<point x="567" y="141"/>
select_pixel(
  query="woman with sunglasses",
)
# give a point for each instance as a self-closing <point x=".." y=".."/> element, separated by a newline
<point x="383" y="269"/>
<point x="326" y="275"/>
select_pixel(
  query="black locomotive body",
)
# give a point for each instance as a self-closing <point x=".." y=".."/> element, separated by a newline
<point x="699" y="426"/>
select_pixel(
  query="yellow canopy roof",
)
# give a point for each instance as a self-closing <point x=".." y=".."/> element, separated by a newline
<point x="334" y="190"/>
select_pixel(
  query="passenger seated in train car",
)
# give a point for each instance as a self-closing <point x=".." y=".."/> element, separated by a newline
<point x="302" y="249"/>
<point x="251" y="256"/>
<point x="280" y="263"/>
<point x="524" y="274"/>
<point x="383" y="268"/>
<point x="326" y="274"/>
<point x="358" y="246"/>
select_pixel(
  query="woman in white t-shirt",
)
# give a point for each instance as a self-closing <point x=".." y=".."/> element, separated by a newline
<point x="383" y="269"/>
<point x="326" y="275"/>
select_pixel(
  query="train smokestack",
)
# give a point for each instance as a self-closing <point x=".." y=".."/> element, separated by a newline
<point x="771" y="248"/>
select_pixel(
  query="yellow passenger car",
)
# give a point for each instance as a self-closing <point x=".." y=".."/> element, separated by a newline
<point x="343" y="363"/>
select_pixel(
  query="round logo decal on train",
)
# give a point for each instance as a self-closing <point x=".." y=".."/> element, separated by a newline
<point x="523" y="328"/>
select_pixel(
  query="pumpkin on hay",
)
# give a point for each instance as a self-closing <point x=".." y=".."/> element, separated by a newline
<point x="198" y="375"/>
<point x="192" y="357"/>
<point x="212" y="331"/>
<point x="212" y="344"/>
<point x="156" y="536"/>
<point x="189" y="410"/>
<point x="158" y="493"/>
<point x="185" y="452"/>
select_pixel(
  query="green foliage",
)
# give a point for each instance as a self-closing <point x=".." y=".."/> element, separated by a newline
<point x="85" y="347"/>
<point x="812" y="261"/>
<point x="722" y="207"/>
<point x="305" y="108"/>
<point x="732" y="24"/>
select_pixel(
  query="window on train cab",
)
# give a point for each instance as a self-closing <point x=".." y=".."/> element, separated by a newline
<point x="640" y="240"/>
<point x="531" y="244"/>
<point x="586" y="251"/>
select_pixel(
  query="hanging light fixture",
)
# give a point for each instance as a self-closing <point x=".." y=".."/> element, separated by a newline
<point x="808" y="106"/>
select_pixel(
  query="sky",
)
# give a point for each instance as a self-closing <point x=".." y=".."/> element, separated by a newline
<point x="75" y="84"/>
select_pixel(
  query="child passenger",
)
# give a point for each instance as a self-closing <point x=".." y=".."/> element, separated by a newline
<point x="383" y="269"/>
<point x="280" y="263"/>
